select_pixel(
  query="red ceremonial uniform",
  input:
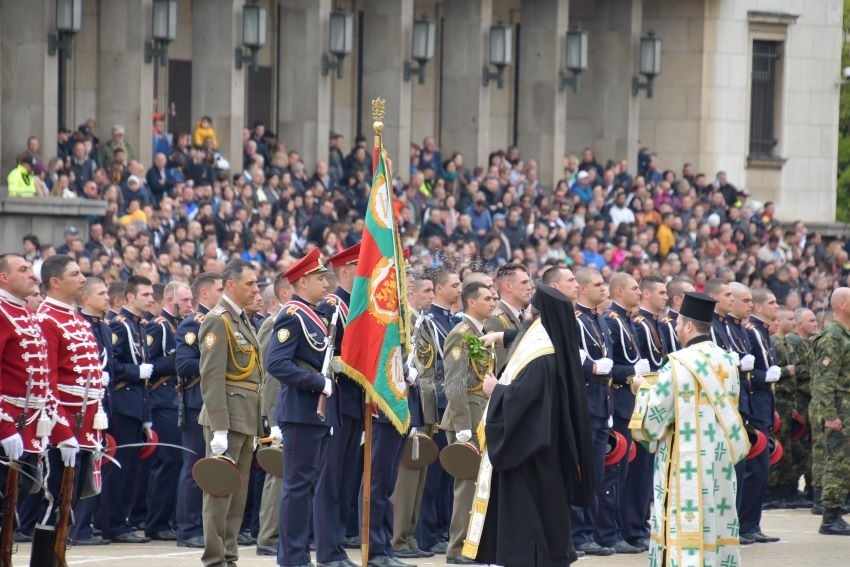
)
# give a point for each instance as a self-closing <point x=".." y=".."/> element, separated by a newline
<point x="73" y="358"/>
<point x="23" y="353"/>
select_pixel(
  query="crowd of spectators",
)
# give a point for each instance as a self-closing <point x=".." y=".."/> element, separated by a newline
<point x="192" y="209"/>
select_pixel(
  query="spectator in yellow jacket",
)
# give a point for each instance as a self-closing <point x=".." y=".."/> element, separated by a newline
<point x="203" y="130"/>
<point x="21" y="180"/>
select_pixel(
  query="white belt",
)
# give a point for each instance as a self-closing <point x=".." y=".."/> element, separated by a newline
<point x="34" y="403"/>
<point x="79" y="392"/>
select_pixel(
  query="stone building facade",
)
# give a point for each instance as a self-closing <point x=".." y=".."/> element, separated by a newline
<point x="746" y="86"/>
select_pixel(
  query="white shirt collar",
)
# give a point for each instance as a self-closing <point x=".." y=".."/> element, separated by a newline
<point x="516" y="312"/>
<point x="14" y="300"/>
<point x="478" y="324"/>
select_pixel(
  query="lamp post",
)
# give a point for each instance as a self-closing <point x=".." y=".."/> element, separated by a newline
<point x="164" y="31"/>
<point x="576" y="59"/>
<point x="340" y="42"/>
<point x="253" y="35"/>
<point x="422" y="47"/>
<point x="69" y="19"/>
<point x="649" y="64"/>
<point x="500" y="54"/>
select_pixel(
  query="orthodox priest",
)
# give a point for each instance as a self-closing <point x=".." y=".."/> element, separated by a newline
<point x="538" y="455"/>
<point x="689" y="418"/>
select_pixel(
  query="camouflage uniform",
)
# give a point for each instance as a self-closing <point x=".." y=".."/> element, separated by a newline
<point x="830" y="400"/>
<point x="801" y="449"/>
<point x="782" y="485"/>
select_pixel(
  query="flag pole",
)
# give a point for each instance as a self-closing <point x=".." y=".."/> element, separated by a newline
<point x="367" y="483"/>
<point x="378" y="126"/>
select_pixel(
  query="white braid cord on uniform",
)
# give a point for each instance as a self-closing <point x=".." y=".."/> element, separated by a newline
<point x="623" y="343"/>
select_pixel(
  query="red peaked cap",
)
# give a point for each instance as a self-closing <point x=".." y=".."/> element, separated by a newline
<point x="348" y="256"/>
<point x="309" y="264"/>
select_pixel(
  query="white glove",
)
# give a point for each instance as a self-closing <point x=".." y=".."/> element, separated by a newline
<point x="582" y="354"/>
<point x="275" y="434"/>
<point x="148" y="427"/>
<point x="412" y="375"/>
<point x="642" y="366"/>
<point x="14" y="446"/>
<point x="329" y="387"/>
<point x="145" y="371"/>
<point x="219" y="442"/>
<point x="464" y="435"/>
<point x="104" y="379"/>
<point x="772" y="374"/>
<point x="69" y="449"/>
<point x="603" y="366"/>
<point x="736" y="359"/>
<point x="748" y="361"/>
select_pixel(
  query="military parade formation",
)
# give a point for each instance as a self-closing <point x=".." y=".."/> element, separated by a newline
<point x="121" y="415"/>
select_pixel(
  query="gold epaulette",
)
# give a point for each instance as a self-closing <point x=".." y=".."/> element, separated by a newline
<point x="639" y="319"/>
<point x="331" y="301"/>
<point x="462" y="327"/>
<point x="750" y="326"/>
<point x="666" y="319"/>
<point x="199" y="317"/>
<point x="612" y="315"/>
<point x="578" y="313"/>
<point x="119" y="319"/>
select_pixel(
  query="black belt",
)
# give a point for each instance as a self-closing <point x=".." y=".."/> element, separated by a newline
<point x="601" y="380"/>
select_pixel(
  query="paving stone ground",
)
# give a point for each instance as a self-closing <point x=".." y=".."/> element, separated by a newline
<point x="801" y="545"/>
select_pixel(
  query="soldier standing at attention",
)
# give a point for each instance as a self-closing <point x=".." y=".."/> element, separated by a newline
<point x="130" y="414"/>
<point x="599" y="521"/>
<point x="628" y="363"/>
<point x="800" y="346"/>
<point x="676" y="291"/>
<point x="231" y="374"/>
<point x="831" y="398"/>
<point x="206" y="291"/>
<point x="765" y="373"/>
<point x="295" y="357"/>
<point x="781" y="484"/>
<point x="513" y="283"/>
<point x="464" y="378"/>
<point x="162" y="395"/>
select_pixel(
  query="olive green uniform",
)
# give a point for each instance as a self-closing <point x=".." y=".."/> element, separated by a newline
<point x="270" y="500"/>
<point x="502" y="319"/>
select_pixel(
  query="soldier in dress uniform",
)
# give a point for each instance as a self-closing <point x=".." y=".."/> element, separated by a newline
<point x="206" y="291"/>
<point x="464" y="378"/>
<point x="295" y="358"/>
<point x="163" y="399"/>
<point x="116" y="299"/>
<point x="26" y="419"/>
<point x="639" y="496"/>
<point x="625" y="295"/>
<point x="130" y="414"/>
<point x="76" y="375"/>
<point x="268" y="534"/>
<point x="676" y="291"/>
<point x="231" y="374"/>
<point x="437" y="499"/>
<point x="410" y="483"/>
<point x="337" y="483"/>
<point x="600" y="520"/>
<point x="94" y="303"/>
<point x="764" y="375"/>
<point x="718" y="290"/>
<point x="513" y="284"/>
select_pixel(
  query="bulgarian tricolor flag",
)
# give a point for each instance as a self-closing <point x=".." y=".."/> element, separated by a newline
<point x="376" y="336"/>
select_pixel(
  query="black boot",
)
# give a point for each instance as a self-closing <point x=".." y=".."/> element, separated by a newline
<point x="833" y="523"/>
<point x="817" y="505"/>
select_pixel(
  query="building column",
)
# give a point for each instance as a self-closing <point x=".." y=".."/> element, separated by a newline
<point x="304" y="95"/>
<point x="465" y="114"/>
<point x="29" y="95"/>
<point x="218" y="88"/>
<point x="386" y="44"/>
<point x="541" y="106"/>
<point x="605" y="115"/>
<point x="125" y="88"/>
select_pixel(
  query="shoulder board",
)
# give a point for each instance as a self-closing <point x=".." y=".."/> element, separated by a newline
<point x="462" y="327"/>
<point x="160" y="319"/>
<point x="578" y="313"/>
<point x="612" y="315"/>
<point x="667" y="319"/>
<point x="199" y="317"/>
<point x="120" y="319"/>
<point x="218" y="310"/>
<point x="750" y="326"/>
<point x="330" y="301"/>
<point x="144" y="322"/>
<point x="639" y="319"/>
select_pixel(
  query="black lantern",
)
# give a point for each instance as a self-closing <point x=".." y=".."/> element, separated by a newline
<point x="422" y="47"/>
<point x="164" y="24"/>
<point x="69" y="20"/>
<point x="501" y="49"/>
<point x="254" y="23"/>
<point x="576" y="59"/>
<point x="649" y="64"/>
<point x="340" y="41"/>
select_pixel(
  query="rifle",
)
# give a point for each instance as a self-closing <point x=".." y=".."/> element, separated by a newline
<point x="327" y="370"/>
<point x="7" y="539"/>
<point x="66" y="490"/>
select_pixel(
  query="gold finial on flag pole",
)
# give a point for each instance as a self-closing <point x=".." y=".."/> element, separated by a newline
<point x="378" y="110"/>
